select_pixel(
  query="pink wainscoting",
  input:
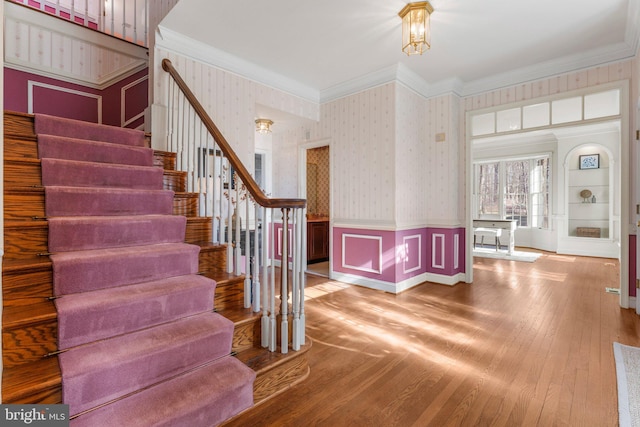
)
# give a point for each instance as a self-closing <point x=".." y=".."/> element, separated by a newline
<point x="277" y="244"/>
<point x="445" y="251"/>
<point x="633" y="267"/>
<point x="396" y="256"/>
<point x="58" y="98"/>
<point x="410" y="254"/>
<point x="365" y="253"/>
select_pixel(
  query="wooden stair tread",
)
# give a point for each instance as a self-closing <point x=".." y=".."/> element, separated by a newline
<point x="240" y="315"/>
<point x="203" y="219"/>
<point x="174" y="172"/>
<point x="186" y="195"/>
<point x="261" y="359"/>
<point x="29" y="379"/>
<point x="224" y="279"/>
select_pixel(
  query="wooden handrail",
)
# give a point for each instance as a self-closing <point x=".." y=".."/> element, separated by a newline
<point x="254" y="189"/>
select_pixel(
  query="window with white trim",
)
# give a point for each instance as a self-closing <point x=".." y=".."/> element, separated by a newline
<point x="514" y="189"/>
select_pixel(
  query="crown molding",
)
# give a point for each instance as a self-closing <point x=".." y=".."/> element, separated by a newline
<point x="567" y="64"/>
<point x="632" y="33"/>
<point x="200" y="52"/>
<point x="359" y="84"/>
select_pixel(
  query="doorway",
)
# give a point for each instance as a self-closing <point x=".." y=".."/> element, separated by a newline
<point x="557" y="124"/>
<point x="315" y="186"/>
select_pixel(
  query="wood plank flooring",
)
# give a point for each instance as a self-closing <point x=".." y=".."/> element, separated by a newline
<point x="527" y="344"/>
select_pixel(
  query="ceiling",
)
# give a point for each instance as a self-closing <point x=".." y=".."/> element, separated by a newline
<point x="325" y="49"/>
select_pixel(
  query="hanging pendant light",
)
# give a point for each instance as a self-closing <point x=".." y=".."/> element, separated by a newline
<point x="416" y="27"/>
<point x="263" y="126"/>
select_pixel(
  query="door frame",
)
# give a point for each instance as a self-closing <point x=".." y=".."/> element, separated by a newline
<point x="625" y="135"/>
<point x="302" y="186"/>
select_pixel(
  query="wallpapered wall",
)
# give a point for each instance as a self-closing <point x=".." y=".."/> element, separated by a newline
<point x="231" y="101"/>
<point x="361" y="128"/>
<point x="320" y="191"/>
<point x="429" y="171"/>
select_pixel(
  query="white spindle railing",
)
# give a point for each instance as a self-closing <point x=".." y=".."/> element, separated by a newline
<point x="125" y="19"/>
<point x="229" y="194"/>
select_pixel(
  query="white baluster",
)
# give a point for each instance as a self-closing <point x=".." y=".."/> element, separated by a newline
<point x="238" y="250"/>
<point x="255" y="278"/>
<point x="124" y="20"/>
<point x="265" y="280"/>
<point x="146" y="23"/>
<point x="229" y="220"/>
<point x="272" y="290"/>
<point x="135" y="21"/>
<point x="294" y="282"/>
<point x="303" y="277"/>
<point x="284" y="292"/>
<point x="247" y="257"/>
<point x="113" y="15"/>
<point x="295" y="285"/>
<point x="86" y="13"/>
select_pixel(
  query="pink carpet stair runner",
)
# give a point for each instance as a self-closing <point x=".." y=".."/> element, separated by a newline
<point x="141" y="343"/>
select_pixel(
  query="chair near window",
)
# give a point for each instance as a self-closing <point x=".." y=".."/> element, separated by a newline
<point x="482" y="232"/>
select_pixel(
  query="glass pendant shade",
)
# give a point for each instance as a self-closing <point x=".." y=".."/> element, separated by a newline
<point x="416" y="27"/>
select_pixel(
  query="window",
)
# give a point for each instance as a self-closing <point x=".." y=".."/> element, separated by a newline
<point x="573" y="109"/>
<point x="514" y="189"/>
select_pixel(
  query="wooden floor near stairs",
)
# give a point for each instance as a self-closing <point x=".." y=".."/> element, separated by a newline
<point x="527" y="344"/>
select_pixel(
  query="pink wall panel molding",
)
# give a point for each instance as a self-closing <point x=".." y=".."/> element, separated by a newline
<point x="397" y="260"/>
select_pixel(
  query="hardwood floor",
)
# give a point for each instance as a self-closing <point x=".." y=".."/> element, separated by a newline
<point x="527" y="344"/>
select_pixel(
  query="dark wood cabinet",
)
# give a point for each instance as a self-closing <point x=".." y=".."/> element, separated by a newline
<point x="317" y="241"/>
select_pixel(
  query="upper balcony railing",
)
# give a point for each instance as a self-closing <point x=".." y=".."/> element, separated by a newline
<point x="125" y="19"/>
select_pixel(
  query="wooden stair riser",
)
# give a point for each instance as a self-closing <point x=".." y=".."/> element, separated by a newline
<point x="29" y="343"/>
<point x="213" y="261"/>
<point x="23" y="204"/>
<point x="22" y="173"/>
<point x="18" y="124"/>
<point x="198" y="230"/>
<point x="174" y="181"/>
<point x="165" y="160"/>
<point x="47" y="395"/>
<point x="20" y="147"/>
<point x="28" y="241"/>
<point x="246" y="335"/>
<point x="28" y="285"/>
<point x="185" y="204"/>
<point x="37" y="382"/>
<point x="230" y="295"/>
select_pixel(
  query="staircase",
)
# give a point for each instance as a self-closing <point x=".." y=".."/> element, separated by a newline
<point x="113" y="295"/>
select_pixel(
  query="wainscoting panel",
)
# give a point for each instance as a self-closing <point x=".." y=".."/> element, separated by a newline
<point x="61" y="101"/>
<point x="362" y="253"/>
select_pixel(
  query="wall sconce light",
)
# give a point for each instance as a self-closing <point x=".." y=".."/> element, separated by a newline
<point x="263" y="126"/>
<point x="416" y="27"/>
